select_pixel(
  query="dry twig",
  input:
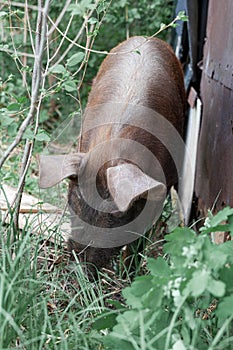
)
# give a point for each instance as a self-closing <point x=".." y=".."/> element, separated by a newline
<point x="41" y="32"/>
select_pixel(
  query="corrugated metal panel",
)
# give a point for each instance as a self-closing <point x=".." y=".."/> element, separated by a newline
<point x="214" y="179"/>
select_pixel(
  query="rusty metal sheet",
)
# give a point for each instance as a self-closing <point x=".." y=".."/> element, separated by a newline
<point x="214" y="176"/>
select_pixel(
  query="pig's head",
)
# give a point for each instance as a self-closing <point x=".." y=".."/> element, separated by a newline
<point x="104" y="205"/>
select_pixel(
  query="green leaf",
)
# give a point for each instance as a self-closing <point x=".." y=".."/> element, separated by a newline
<point x="221" y="216"/>
<point x="28" y="135"/>
<point x="122" y="3"/>
<point x="93" y="20"/>
<point x="22" y="99"/>
<point x="42" y="136"/>
<point x="198" y="283"/>
<point x="189" y="317"/>
<point x="176" y="240"/>
<point x="158" y="267"/>
<point x="215" y="257"/>
<point x="154" y="297"/>
<point x="224" y="309"/>
<point x="179" y="345"/>
<point x="185" y="332"/>
<point x="12" y="129"/>
<point x="14" y="107"/>
<point x="115" y="343"/>
<point x="183" y="234"/>
<point x="44" y="115"/>
<point x="116" y="304"/>
<point x="105" y="320"/>
<point x="134" y="14"/>
<point x="227" y="277"/>
<point x="218" y="228"/>
<point x="58" y="69"/>
<point x="135" y="293"/>
<point x="226" y="248"/>
<point x="3" y="14"/>
<point x="81" y="8"/>
<point x="130" y="319"/>
<point x="69" y="86"/>
<point x="6" y="120"/>
<point x="230" y="220"/>
<point x="181" y="16"/>
<point x="216" y="288"/>
<point x="162" y="26"/>
<point x="75" y="59"/>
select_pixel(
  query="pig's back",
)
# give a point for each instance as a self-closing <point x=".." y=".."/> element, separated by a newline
<point x="145" y="72"/>
<point x="138" y="78"/>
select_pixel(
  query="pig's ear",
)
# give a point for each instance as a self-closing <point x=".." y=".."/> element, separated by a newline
<point x="126" y="183"/>
<point x="53" y="169"/>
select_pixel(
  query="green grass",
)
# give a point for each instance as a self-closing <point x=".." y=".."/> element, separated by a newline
<point x="45" y="301"/>
<point x="181" y="301"/>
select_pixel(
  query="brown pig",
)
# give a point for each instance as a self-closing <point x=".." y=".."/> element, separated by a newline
<point x="130" y="149"/>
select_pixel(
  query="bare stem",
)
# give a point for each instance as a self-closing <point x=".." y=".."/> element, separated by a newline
<point x="72" y="42"/>
<point x="59" y="18"/>
<point x="36" y="79"/>
<point x="18" y="4"/>
<point x="41" y="32"/>
<point x="19" y="53"/>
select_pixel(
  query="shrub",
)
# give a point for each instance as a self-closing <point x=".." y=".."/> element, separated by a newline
<point x="186" y="299"/>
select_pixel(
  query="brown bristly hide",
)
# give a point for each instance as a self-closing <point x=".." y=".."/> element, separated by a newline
<point x="140" y="73"/>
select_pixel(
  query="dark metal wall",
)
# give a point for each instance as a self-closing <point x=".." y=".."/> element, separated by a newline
<point x="190" y="39"/>
<point x="214" y="176"/>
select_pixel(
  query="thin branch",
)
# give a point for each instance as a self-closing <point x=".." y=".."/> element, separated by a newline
<point x="25" y="42"/>
<point x="18" y="53"/>
<point x="166" y="26"/>
<point x="20" y="133"/>
<point x="89" y="44"/>
<point x="29" y="27"/>
<point x="34" y="108"/>
<point x="73" y="42"/>
<point x="16" y="59"/>
<point x="35" y="87"/>
<point x="12" y="40"/>
<point x="39" y="47"/>
<point x="59" y="18"/>
<point x="26" y="161"/>
<point x="62" y="40"/>
<point x="17" y="27"/>
<point x="24" y="168"/>
<point x="28" y="148"/>
<point x="18" y="4"/>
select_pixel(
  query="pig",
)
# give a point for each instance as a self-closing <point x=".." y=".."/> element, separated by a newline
<point x="135" y="108"/>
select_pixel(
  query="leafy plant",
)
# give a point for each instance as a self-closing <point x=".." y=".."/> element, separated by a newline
<point x="186" y="299"/>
